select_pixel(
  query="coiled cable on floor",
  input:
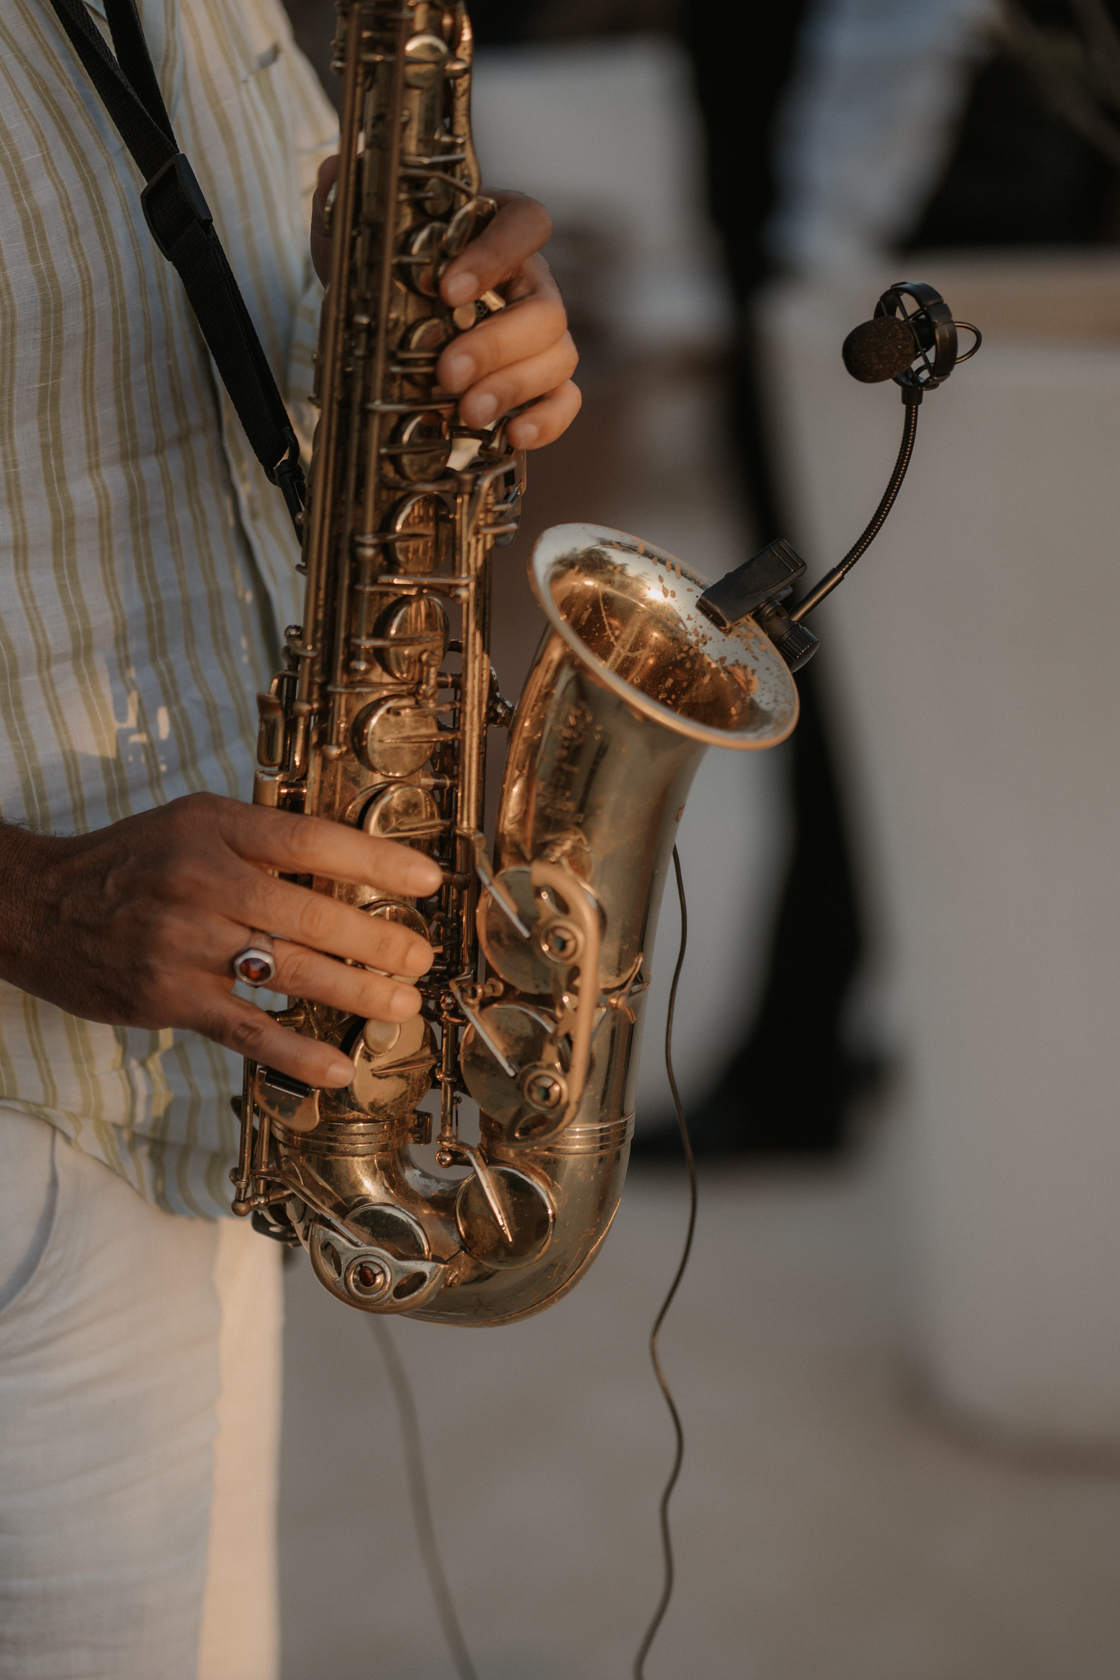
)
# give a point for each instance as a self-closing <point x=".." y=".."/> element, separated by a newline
<point x="678" y="1428"/>
<point x="420" y="1501"/>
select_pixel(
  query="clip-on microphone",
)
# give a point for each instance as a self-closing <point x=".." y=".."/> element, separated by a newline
<point x="918" y="350"/>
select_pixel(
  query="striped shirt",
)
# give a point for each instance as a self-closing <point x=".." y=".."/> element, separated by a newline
<point x="146" y="565"/>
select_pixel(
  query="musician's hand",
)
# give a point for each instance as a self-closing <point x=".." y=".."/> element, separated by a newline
<point x="320" y="232"/>
<point x="137" y="924"/>
<point x="523" y="353"/>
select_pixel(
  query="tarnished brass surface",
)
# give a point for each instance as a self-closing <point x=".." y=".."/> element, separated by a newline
<point x="534" y="1003"/>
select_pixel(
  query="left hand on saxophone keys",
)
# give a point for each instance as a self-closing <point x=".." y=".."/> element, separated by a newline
<point x="521" y="357"/>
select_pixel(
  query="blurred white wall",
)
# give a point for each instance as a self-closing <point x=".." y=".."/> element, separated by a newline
<point x="604" y="133"/>
<point x="977" y="644"/>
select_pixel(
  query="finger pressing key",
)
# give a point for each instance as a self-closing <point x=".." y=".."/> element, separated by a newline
<point x="321" y="923"/>
<point x="354" y="990"/>
<point x="298" y="845"/>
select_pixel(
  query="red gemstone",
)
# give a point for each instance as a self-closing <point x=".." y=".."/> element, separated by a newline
<point x="255" y="970"/>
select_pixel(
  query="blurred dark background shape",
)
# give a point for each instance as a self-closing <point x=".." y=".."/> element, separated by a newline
<point x="1018" y="173"/>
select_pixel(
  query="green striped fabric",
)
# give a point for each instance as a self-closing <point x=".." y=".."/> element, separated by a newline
<point x="146" y="565"/>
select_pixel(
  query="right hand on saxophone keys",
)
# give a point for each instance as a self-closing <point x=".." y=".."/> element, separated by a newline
<point x="138" y="924"/>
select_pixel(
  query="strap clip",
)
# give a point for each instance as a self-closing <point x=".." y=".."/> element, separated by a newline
<point x="288" y="475"/>
<point x="176" y="210"/>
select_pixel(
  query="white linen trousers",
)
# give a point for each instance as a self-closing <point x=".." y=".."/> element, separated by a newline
<point x="139" y="1428"/>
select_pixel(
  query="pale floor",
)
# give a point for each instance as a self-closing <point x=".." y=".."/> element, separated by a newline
<point x="826" y="1529"/>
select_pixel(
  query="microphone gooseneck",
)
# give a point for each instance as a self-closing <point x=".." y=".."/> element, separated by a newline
<point x="878" y="519"/>
<point x="912" y="339"/>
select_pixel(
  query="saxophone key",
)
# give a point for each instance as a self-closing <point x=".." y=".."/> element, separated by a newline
<point x="403" y="812"/>
<point x="523" y="1231"/>
<point x="395" y="737"/>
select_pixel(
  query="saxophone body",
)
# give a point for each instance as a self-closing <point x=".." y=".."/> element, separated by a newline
<point x="533" y="1006"/>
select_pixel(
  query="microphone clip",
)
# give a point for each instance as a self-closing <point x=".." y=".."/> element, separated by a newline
<point x="916" y="347"/>
<point x="932" y="329"/>
<point x="756" y="589"/>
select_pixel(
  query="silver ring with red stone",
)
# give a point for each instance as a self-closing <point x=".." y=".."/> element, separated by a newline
<point x="256" y="964"/>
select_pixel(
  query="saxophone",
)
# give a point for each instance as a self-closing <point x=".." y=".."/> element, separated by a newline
<point x="533" y="1005"/>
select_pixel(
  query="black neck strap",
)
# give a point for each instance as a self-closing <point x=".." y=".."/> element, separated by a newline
<point x="183" y="228"/>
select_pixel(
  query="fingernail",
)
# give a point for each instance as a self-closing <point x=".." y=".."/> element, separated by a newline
<point x="483" y="409"/>
<point x="527" y="435"/>
<point x="423" y="878"/>
<point x="459" y="372"/>
<point x="404" y="1003"/>
<point x="462" y="288"/>
<point x="340" y="1072"/>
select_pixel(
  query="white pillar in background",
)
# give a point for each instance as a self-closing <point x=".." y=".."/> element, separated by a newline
<point x="977" y="645"/>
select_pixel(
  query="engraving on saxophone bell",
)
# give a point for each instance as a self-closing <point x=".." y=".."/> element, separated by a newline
<point x="534" y="1001"/>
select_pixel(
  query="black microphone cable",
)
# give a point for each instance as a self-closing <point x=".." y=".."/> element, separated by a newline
<point x="678" y="1428"/>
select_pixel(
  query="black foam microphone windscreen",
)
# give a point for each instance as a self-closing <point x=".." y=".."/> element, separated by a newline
<point x="879" y="349"/>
